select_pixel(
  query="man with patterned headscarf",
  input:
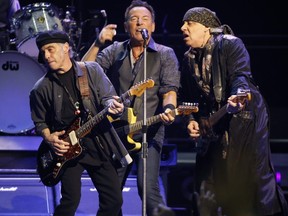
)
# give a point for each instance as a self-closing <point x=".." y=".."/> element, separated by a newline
<point x="233" y="150"/>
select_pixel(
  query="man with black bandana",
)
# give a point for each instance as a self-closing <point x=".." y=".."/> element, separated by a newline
<point x="233" y="155"/>
<point x="56" y="103"/>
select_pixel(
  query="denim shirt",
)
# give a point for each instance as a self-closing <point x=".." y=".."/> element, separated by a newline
<point x="162" y="66"/>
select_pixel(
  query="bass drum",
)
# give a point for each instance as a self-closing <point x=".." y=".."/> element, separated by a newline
<point x="30" y="21"/>
<point x="18" y="74"/>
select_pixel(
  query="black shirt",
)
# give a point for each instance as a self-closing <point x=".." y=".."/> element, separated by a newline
<point x="71" y="96"/>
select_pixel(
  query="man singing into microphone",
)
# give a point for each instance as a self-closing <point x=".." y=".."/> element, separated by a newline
<point x="123" y="62"/>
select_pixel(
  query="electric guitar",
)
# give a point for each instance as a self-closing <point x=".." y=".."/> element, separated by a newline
<point x="50" y="166"/>
<point x="128" y="126"/>
<point x="206" y="124"/>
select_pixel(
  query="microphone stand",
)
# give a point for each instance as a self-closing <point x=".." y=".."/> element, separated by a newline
<point x="144" y="131"/>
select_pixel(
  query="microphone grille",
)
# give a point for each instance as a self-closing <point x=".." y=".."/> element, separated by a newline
<point x="103" y="12"/>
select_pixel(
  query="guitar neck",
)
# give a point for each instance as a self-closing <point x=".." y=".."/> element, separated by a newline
<point x="150" y="121"/>
<point x="87" y="126"/>
<point x="123" y="97"/>
<point x="134" y="90"/>
<point x="218" y="115"/>
<point x="242" y="96"/>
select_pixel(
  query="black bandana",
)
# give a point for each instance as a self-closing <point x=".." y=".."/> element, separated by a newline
<point x="202" y="15"/>
<point x="207" y="18"/>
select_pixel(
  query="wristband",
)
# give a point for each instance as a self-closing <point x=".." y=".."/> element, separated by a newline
<point x="97" y="43"/>
<point x="191" y="117"/>
<point x="169" y="106"/>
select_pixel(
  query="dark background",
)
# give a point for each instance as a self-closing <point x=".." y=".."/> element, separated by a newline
<point x="262" y="25"/>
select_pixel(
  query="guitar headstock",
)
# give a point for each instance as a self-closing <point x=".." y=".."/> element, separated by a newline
<point x="187" y="108"/>
<point x="139" y="88"/>
<point x="243" y="95"/>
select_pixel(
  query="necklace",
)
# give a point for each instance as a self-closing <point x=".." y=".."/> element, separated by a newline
<point x="136" y="57"/>
<point x="136" y="53"/>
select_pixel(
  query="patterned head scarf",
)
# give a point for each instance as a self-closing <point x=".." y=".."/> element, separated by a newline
<point x="202" y="15"/>
<point x="207" y="18"/>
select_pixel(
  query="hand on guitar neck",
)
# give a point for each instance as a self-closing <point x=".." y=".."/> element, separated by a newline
<point x="236" y="103"/>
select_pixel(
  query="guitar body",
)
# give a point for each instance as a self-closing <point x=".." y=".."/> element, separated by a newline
<point x="207" y="136"/>
<point x="122" y="129"/>
<point x="131" y="145"/>
<point x="50" y="166"/>
<point x="121" y="126"/>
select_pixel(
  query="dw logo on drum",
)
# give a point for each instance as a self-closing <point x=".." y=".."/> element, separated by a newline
<point x="11" y="65"/>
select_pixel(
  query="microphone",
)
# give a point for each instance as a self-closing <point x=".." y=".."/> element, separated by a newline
<point x="144" y="33"/>
<point x="104" y="15"/>
<point x="97" y="31"/>
<point x="103" y="12"/>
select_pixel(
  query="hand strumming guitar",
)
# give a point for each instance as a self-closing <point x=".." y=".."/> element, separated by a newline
<point x="193" y="129"/>
<point x="58" y="145"/>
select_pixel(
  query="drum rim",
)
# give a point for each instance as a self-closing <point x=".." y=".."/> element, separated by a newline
<point x="26" y="55"/>
<point x="25" y="39"/>
<point x="41" y="69"/>
<point x="34" y="7"/>
<point x="37" y="5"/>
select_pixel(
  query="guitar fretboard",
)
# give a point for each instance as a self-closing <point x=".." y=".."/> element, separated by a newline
<point x="150" y="121"/>
<point x="87" y="126"/>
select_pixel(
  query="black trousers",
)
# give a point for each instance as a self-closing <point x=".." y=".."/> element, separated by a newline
<point x="105" y="180"/>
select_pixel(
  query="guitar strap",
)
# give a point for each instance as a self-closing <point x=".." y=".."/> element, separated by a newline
<point x="84" y="89"/>
<point x="83" y="81"/>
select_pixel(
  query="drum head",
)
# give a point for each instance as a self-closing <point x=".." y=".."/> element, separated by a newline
<point x="30" y="21"/>
<point x="29" y="47"/>
<point x="18" y="74"/>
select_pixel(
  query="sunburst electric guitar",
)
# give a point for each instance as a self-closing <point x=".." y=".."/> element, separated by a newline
<point x="126" y="126"/>
<point x="50" y="166"/>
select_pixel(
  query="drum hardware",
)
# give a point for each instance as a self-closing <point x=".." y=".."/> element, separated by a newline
<point x="4" y="41"/>
<point x="70" y="26"/>
<point x="94" y="22"/>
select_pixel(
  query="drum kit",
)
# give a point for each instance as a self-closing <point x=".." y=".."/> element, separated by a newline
<point x="19" y="69"/>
